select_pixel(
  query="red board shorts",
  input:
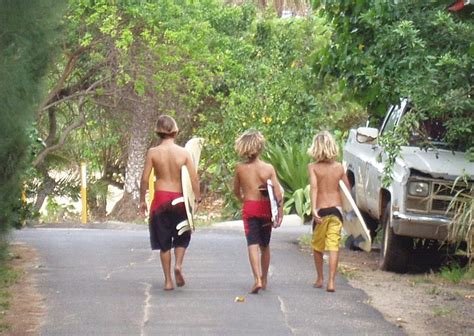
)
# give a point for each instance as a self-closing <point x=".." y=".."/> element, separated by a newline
<point x="163" y="220"/>
<point x="257" y="219"/>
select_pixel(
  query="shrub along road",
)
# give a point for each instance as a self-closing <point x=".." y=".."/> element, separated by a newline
<point x="109" y="282"/>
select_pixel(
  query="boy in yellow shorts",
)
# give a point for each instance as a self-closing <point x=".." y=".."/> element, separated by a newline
<point x="324" y="176"/>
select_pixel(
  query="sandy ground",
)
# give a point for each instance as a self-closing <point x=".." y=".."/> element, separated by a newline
<point x="26" y="310"/>
<point x="421" y="304"/>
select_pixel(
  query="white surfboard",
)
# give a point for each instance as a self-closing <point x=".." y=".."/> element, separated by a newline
<point x="354" y="223"/>
<point x="194" y="147"/>
<point x="274" y="204"/>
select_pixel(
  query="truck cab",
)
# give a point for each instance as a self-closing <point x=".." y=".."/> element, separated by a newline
<point x="424" y="182"/>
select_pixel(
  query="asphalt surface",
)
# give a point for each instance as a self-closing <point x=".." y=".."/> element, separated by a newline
<point x="109" y="282"/>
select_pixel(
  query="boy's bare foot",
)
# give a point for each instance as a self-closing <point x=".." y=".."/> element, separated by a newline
<point x="330" y="288"/>
<point x="178" y="276"/>
<point x="255" y="289"/>
<point x="318" y="283"/>
<point x="264" y="284"/>
<point x="168" y="287"/>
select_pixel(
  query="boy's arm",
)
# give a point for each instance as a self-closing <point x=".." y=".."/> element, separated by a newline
<point x="194" y="177"/>
<point x="313" y="182"/>
<point x="144" y="183"/>
<point x="237" y="191"/>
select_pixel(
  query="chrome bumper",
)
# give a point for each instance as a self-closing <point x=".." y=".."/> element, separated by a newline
<point x="420" y="226"/>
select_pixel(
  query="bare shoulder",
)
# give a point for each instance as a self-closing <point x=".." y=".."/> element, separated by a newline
<point x="238" y="167"/>
<point x="268" y="166"/>
<point x="312" y="166"/>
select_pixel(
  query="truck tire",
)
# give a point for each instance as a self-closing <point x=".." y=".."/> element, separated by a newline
<point x="395" y="249"/>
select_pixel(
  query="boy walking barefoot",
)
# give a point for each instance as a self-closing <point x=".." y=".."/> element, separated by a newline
<point x="250" y="175"/>
<point x="166" y="159"/>
<point x="324" y="176"/>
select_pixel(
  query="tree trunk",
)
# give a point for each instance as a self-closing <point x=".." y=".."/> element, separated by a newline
<point x="127" y="208"/>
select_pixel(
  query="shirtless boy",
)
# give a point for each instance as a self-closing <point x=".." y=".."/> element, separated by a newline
<point x="324" y="176"/>
<point x="250" y="175"/>
<point x="166" y="159"/>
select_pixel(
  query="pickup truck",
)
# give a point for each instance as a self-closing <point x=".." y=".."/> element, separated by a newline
<point x="415" y="204"/>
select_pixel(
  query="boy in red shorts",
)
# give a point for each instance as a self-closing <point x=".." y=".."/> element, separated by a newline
<point x="250" y="175"/>
<point x="166" y="159"/>
<point x="324" y="176"/>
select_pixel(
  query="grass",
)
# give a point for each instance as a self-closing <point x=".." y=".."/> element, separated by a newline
<point x="443" y="311"/>
<point x="433" y="291"/>
<point x="425" y="279"/>
<point x="8" y="277"/>
<point x="455" y="273"/>
<point x="347" y="272"/>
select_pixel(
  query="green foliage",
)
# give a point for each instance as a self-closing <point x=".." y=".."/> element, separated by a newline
<point x="392" y="142"/>
<point x="267" y="83"/>
<point x="382" y="51"/>
<point x="26" y="44"/>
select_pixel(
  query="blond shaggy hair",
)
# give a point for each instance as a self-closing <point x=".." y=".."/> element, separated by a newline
<point x="250" y="144"/>
<point x="166" y="126"/>
<point x="324" y="147"/>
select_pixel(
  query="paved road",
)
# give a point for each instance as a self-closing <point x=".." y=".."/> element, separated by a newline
<point x="108" y="282"/>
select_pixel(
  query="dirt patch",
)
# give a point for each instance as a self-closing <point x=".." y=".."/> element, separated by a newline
<point x="26" y="310"/>
<point x="421" y="304"/>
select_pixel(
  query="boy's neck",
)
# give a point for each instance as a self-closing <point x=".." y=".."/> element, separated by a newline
<point x="252" y="160"/>
<point x="166" y="141"/>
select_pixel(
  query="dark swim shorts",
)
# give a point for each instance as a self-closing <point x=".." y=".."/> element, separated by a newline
<point x="257" y="219"/>
<point x="163" y="220"/>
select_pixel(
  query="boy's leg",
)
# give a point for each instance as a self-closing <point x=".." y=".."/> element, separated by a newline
<point x="179" y="256"/>
<point x="255" y="265"/>
<point x="318" y="263"/>
<point x="265" y="260"/>
<point x="165" y="257"/>
<point x="333" y="260"/>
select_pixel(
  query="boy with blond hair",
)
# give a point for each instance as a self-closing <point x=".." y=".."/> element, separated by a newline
<point x="326" y="205"/>
<point x="166" y="159"/>
<point x="250" y="175"/>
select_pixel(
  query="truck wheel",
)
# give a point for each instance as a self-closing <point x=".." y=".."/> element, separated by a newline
<point x="395" y="249"/>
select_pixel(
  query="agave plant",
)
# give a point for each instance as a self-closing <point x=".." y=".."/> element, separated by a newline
<point x="290" y="162"/>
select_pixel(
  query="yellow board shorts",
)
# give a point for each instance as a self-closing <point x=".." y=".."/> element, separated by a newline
<point x="327" y="234"/>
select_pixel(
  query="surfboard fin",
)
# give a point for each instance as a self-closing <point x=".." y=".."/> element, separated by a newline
<point x="177" y="200"/>
<point x="181" y="225"/>
<point x="184" y="229"/>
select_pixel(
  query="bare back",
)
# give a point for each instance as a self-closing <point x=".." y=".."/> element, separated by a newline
<point x="324" y="180"/>
<point x="167" y="160"/>
<point x="249" y="176"/>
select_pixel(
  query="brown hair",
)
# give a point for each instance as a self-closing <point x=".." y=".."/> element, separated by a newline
<point x="324" y="147"/>
<point x="250" y="144"/>
<point x="166" y="127"/>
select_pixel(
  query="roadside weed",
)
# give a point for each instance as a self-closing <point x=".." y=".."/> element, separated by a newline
<point x="421" y="280"/>
<point x="347" y="272"/>
<point x="443" y="311"/>
<point x="7" y="278"/>
<point x="455" y="273"/>
<point x="433" y="291"/>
